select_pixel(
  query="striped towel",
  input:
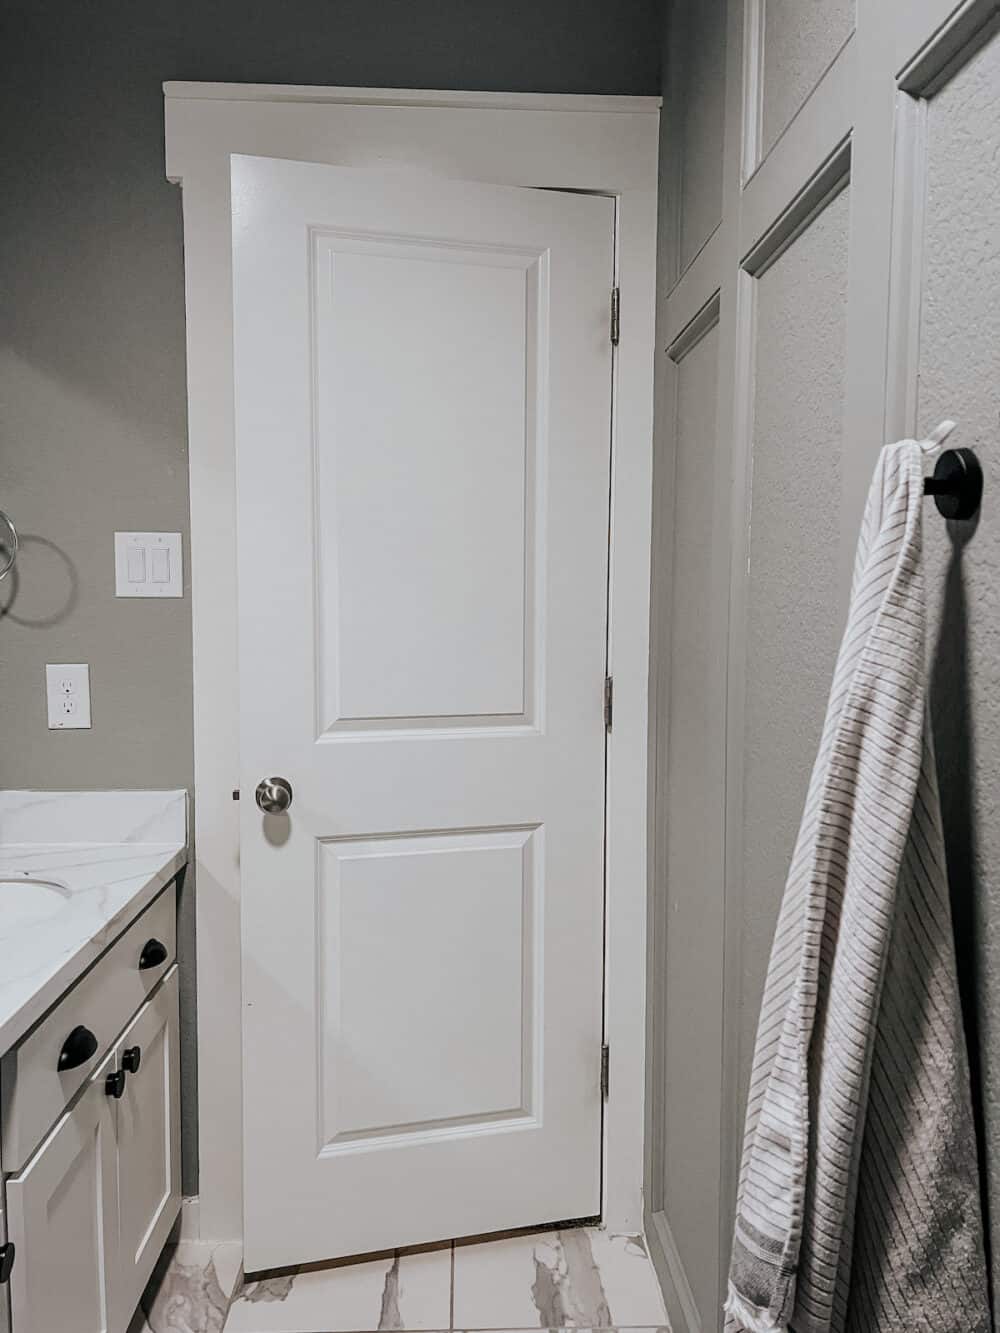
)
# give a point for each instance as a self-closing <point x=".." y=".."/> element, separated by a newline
<point x="859" y="1205"/>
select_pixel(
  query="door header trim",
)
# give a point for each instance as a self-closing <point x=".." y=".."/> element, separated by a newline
<point x="182" y="90"/>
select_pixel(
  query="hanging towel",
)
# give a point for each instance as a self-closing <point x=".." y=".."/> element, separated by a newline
<point x="859" y="1204"/>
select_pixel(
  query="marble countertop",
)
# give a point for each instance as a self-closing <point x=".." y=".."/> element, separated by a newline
<point x="107" y="855"/>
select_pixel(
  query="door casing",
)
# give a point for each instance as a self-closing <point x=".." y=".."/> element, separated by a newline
<point x="606" y="145"/>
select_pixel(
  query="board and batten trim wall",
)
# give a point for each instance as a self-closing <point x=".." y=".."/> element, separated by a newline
<point x="859" y="124"/>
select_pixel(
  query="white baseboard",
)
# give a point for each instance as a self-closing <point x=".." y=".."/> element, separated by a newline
<point x="225" y="1255"/>
<point x="189" y="1221"/>
<point x="677" y="1294"/>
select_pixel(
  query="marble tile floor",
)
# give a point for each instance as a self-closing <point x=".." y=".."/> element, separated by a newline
<point x="191" y="1289"/>
<point x="579" y="1278"/>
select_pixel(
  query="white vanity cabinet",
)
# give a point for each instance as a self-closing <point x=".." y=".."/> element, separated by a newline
<point x="89" y="1208"/>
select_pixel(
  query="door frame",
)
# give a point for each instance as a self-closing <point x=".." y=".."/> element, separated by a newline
<point x="606" y="145"/>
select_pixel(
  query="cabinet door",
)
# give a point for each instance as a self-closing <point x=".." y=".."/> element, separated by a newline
<point x="5" y="1288"/>
<point x="149" y="1171"/>
<point x="62" y="1218"/>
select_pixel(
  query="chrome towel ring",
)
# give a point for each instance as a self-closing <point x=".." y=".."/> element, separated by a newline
<point x="8" y="545"/>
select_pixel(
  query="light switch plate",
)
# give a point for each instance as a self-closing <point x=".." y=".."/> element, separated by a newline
<point x="67" y="689"/>
<point x="148" y="564"/>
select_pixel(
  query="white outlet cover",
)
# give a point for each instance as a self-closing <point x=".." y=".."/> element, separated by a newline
<point x="148" y="564"/>
<point x="67" y="690"/>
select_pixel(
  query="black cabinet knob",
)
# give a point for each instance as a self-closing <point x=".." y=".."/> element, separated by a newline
<point x="77" y="1049"/>
<point x="153" y="954"/>
<point x="114" y="1084"/>
<point x="131" y="1059"/>
<point x="6" y="1260"/>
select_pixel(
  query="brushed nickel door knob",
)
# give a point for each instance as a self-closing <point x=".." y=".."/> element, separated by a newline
<point x="274" y="795"/>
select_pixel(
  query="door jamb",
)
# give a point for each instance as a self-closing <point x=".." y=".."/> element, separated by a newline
<point x="601" y="144"/>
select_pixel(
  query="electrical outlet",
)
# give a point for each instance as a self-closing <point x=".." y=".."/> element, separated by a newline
<point x="67" y="688"/>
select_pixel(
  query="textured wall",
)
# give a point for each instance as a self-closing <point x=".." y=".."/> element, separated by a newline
<point x="801" y="38"/>
<point x="92" y="410"/>
<point x="792" y="586"/>
<point x="960" y="378"/>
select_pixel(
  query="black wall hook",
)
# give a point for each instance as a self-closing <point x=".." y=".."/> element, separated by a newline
<point x="957" y="484"/>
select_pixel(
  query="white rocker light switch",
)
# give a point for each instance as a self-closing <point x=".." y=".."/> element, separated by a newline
<point x="148" y="564"/>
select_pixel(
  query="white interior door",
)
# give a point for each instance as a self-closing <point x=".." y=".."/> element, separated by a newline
<point x="423" y="399"/>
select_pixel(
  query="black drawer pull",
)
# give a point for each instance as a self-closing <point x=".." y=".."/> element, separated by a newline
<point x="131" y="1059"/>
<point x="114" y="1084"/>
<point x="6" y="1261"/>
<point x="153" y="954"/>
<point x="77" y="1049"/>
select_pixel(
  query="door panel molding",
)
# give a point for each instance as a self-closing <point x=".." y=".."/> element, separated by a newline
<point x="503" y="285"/>
<point x="520" y="846"/>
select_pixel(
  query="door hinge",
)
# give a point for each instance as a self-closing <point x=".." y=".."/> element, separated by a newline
<point x="616" y="315"/>
<point x="605" y="1070"/>
<point x="609" y="702"/>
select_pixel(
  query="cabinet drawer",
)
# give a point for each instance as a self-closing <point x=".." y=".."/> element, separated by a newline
<point x="34" y="1090"/>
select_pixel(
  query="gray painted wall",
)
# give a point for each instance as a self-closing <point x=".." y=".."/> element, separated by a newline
<point x="92" y="398"/>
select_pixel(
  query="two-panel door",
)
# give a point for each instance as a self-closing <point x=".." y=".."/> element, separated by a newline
<point x="423" y="375"/>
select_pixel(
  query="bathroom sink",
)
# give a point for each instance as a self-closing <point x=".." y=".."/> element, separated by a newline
<point x="24" y="899"/>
